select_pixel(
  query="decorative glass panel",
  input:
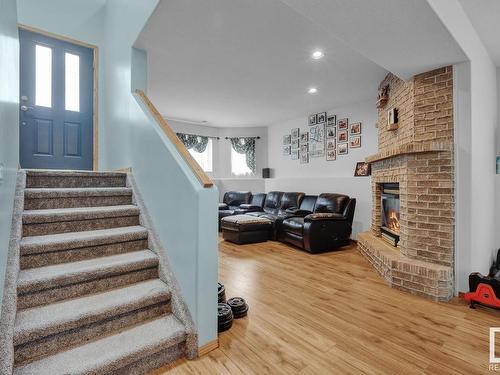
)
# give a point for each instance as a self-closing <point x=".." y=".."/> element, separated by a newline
<point x="43" y="76"/>
<point x="72" y="82"/>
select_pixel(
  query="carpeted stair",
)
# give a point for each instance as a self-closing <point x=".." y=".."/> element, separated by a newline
<point x="89" y="295"/>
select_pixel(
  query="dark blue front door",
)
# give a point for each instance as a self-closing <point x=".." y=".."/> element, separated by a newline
<point x="56" y="104"/>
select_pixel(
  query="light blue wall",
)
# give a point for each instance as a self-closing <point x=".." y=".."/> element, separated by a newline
<point x="9" y="124"/>
<point x="184" y="214"/>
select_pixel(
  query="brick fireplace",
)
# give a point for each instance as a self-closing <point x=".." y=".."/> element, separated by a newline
<point x="416" y="155"/>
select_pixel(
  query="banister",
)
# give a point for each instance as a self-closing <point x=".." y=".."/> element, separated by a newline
<point x="198" y="172"/>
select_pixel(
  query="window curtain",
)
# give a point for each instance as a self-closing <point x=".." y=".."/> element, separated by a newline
<point x="196" y="142"/>
<point x="245" y="145"/>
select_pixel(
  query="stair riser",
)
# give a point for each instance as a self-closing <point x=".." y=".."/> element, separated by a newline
<point x="34" y="181"/>
<point x="74" y="255"/>
<point x="37" y="349"/>
<point x="47" y="296"/>
<point x="41" y="229"/>
<point x="73" y="202"/>
<point x="152" y="362"/>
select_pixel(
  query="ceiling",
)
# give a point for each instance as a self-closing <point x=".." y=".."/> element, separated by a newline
<point x="247" y="63"/>
<point x="484" y="16"/>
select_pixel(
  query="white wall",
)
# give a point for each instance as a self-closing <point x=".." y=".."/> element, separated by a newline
<point x="479" y="249"/>
<point x="321" y="176"/>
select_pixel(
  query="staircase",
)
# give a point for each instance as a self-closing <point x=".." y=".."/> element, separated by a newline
<point x="89" y="295"/>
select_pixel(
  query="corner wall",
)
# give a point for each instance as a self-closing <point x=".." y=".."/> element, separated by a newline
<point x="321" y="176"/>
<point x="9" y="125"/>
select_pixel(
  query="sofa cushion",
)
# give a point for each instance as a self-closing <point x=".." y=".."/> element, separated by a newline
<point x="273" y="201"/>
<point x="294" y="225"/>
<point x="308" y="203"/>
<point x="235" y="198"/>
<point x="290" y="199"/>
<point x="331" y="203"/>
<point x="222" y="206"/>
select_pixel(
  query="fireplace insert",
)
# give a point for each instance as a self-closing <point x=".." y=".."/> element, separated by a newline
<point x="390" y="226"/>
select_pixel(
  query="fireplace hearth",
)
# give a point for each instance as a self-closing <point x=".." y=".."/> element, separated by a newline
<point x="390" y="226"/>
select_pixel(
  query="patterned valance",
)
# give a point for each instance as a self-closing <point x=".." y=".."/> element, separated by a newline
<point x="195" y="142"/>
<point x="245" y="145"/>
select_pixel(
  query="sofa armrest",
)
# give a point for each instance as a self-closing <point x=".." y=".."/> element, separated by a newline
<point x="223" y="206"/>
<point x="297" y="212"/>
<point x="247" y="206"/>
<point x="320" y="216"/>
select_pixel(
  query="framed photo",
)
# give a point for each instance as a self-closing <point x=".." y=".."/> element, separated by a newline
<point x="295" y="133"/>
<point x="321" y="118"/>
<point x="287" y="140"/>
<point x="295" y="143"/>
<point x="287" y="150"/>
<point x="330" y="144"/>
<point x="331" y="132"/>
<point x="355" y="128"/>
<point x="312" y="120"/>
<point x="355" y="142"/>
<point x="304" y="148"/>
<point x="362" y="169"/>
<point x="295" y="154"/>
<point x="331" y="155"/>
<point x="332" y="120"/>
<point x="343" y="124"/>
<point x="304" y="157"/>
<point x="342" y="149"/>
<point x="343" y="136"/>
<point x="304" y="137"/>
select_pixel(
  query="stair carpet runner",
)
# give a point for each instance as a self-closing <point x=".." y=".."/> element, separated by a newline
<point x="90" y="300"/>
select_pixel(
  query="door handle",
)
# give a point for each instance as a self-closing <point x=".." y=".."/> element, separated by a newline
<point x="25" y="108"/>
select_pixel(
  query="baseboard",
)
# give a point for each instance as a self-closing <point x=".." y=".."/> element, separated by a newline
<point x="207" y="348"/>
<point x="123" y="170"/>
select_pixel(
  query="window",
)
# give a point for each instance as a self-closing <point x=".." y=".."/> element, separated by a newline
<point x="204" y="159"/>
<point x="43" y="76"/>
<point x="72" y="82"/>
<point x="239" y="165"/>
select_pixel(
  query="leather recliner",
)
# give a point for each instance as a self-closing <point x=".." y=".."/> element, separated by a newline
<point x="232" y="201"/>
<point x="328" y="227"/>
<point x="275" y="208"/>
<point x="256" y="204"/>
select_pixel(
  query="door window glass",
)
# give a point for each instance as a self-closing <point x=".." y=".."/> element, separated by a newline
<point x="43" y="76"/>
<point x="72" y="82"/>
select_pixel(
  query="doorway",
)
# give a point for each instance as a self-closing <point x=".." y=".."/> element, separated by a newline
<point x="56" y="104"/>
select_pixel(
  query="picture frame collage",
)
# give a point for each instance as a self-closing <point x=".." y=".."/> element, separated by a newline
<point x="326" y="136"/>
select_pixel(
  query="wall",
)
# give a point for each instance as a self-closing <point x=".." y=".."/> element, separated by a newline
<point x="321" y="176"/>
<point x="221" y="174"/>
<point x="9" y="125"/>
<point x="479" y="249"/>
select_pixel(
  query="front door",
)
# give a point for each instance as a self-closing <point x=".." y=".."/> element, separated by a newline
<point x="56" y="104"/>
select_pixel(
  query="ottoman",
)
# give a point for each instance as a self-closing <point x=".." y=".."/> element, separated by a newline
<point x="244" y="229"/>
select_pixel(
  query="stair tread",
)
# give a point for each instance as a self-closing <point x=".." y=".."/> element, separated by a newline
<point x="75" y="192"/>
<point x="69" y="273"/>
<point x="127" y="347"/>
<point x="38" y="322"/>
<point x="73" y="240"/>
<point x="70" y="173"/>
<point x="79" y="213"/>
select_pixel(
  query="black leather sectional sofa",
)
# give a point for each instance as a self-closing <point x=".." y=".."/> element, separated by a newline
<point x="314" y="223"/>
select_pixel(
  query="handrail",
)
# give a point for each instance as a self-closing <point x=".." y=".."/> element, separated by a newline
<point x="198" y="172"/>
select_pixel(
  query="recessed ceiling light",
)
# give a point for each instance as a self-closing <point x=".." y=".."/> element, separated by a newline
<point x="317" y="55"/>
<point x="313" y="90"/>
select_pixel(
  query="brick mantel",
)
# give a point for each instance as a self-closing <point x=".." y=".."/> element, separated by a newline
<point x="418" y="156"/>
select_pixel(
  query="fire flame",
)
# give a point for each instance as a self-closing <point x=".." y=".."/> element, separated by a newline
<point x="393" y="221"/>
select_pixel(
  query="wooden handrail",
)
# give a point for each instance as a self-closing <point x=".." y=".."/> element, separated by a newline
<point x="198" y="172"/>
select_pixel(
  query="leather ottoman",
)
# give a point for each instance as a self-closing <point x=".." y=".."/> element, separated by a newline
<point x="244" y="229"/>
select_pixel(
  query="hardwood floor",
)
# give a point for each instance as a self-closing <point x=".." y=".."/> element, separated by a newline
<point x="332" y="314"/>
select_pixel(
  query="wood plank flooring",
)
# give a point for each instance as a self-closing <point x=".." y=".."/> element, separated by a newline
<point x="332" y="314"/>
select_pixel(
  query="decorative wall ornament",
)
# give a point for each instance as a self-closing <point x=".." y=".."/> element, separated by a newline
<point x="321" y="118"/>
<point x="317" y="141"/>
<point x="295" y="133"/>
<point x="383" y="96"/>
<point x="362" y="169"/>
<point x="295" y="143"/>
<point x="304" y="158"/>
<point x="287" y="140"/>
<point x="343" y="136"/>
<point x="312" y="120"/>
<point x="331" y="132"/>
<point x="295" y="154"/>
<point x="332" y="120"/>
<point x="331" y="155"/>
<point x="287" y="150"/>
<point x="342" y="148"/>
<point x="304" y="137"/>
<point x="330" y="145"/>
